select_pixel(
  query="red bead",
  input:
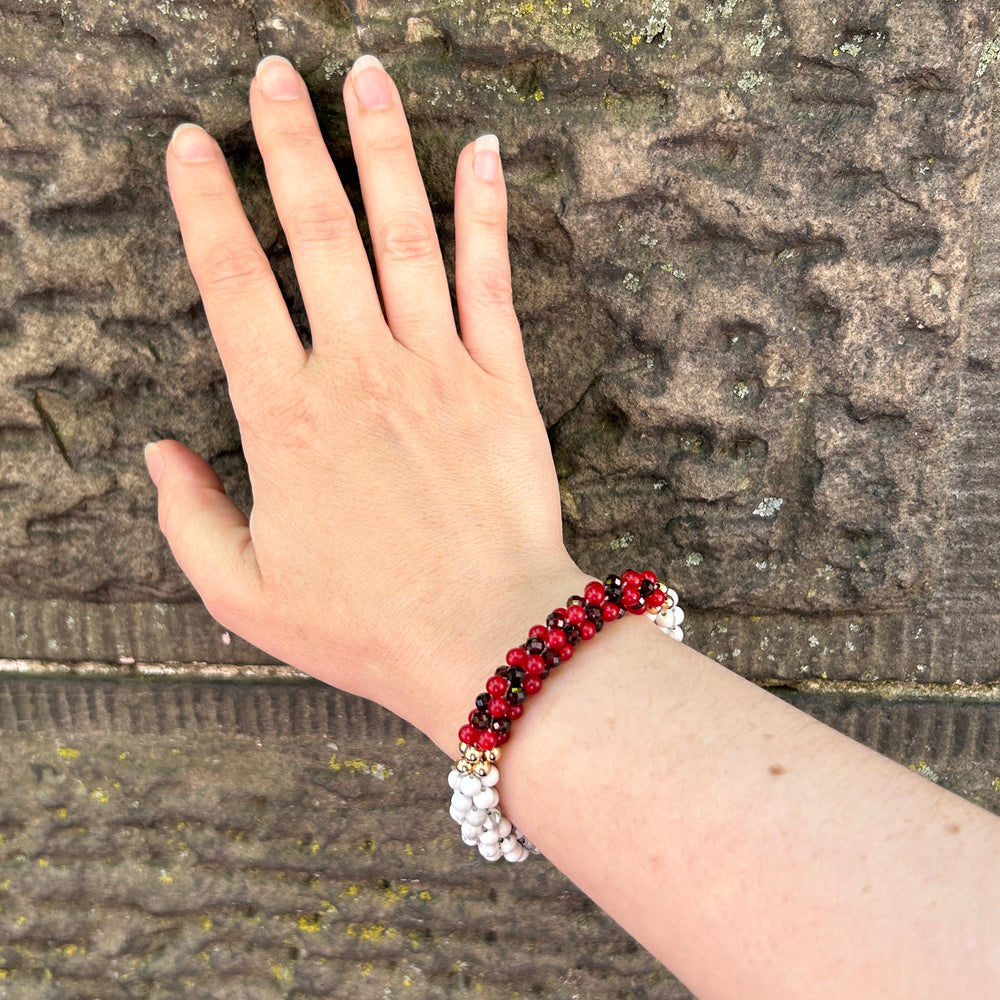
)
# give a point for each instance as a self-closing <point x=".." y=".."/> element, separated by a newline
<point x="656" y="599"/>
<point x="535" y="665"/>
<point x="594" y="592"/>
<point x="497" y="686"/>
<point x="502" y="738"/>
<point x="555" y="639"/>
<point x="565" y="652"/>
<point x="537" y="632"/>
<point x="532" y="684"/>
<point x="515" y="711"/>
<point x="576" y="614"/>
<point x="610" y="612"/>
<point x="468" y="734"/>
<point x="638" y="609"/>
<point x="630" y="578"/>
<point x="588" y="630"/>
<point x="516" y="657"/>
<point x="487" y="740"/>
<point x="497" y="708"/>
<point x="630" y="594"/>
<point x="648" y="574"/>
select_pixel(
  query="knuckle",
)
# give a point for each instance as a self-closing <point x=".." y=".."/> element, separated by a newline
<point x="489" y="288"/>
<point x="291" y="133"/>
<point x="317" y="221"/>
<point x="406" y="238"/>
<point x="233" y="269"/>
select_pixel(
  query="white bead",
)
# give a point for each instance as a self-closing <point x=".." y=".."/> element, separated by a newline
<point x="509" y="845"/>
<point x="490" y="851"/>
<point x="486" y="799"/>
<point x="477" y="816"/>
<point x="489" y="837"/>
<point x="454" y="779"/>
<point x="492" y="777"/>
<point x="470" y="841"/>
<point x="470" y="785"/>
<point x="471" y="830"/>
<point x="519" y="855"/>
<point x="456" y="815"/>
<point x="461" y="802"/>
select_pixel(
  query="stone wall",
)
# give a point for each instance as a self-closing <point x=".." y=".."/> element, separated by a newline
<point x="756" y="258"/>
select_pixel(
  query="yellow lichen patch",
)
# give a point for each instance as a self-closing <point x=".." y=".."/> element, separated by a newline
<point x="311" y="925"/>
<point x="100" y="795"/>
<point x="42" y="862"/>
<point x="205" y="922"/>
<point x="165" y="878"/>
<point x="283" y="973"/>
<point x="68" y="753"/>
<point x="4" y="973"/>
<point x="61" y="812"/>
<point x="351" y="890"/>
<point x="74" y="949"/>
<point x="425" y="895"/>
<point x="367" y="968"/>
<point x="370" y="932"/>
<point x="393" y="894"/>
<point x="996" y="788"/>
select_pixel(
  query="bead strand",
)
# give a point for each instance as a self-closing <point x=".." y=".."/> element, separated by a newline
<point x="475" y="803"/>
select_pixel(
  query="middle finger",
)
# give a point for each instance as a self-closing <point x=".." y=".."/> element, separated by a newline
<point x="330" y="260"/>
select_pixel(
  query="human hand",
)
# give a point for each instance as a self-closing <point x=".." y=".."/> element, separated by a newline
<point x="406" y="524"/>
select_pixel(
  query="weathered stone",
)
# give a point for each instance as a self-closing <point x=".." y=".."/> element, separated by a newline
<point x="744" y="239"/>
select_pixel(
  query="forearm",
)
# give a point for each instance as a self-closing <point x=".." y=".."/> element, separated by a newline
<point x="752" y="849"/>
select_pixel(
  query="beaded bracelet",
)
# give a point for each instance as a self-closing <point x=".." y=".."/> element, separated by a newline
<point x="475" y="802"/>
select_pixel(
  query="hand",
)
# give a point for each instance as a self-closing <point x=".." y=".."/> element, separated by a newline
<point x="406" y="525"/>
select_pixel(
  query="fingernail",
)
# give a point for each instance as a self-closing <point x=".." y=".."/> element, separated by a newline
<point x="154" y="461"/>
<point x="486" y="157"/>
<point x="278" y="79"/>
<point x="192" y="144"/>
<point x="371" y="83"/>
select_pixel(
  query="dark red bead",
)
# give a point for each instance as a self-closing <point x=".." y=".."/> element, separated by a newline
<point x="555" y="638"/>
<point x="482" y="700"/>
<point x="556" y="620"/>
<point x="588" y="630"/>
<point x="501" y="726"/>
<point x="656" y="599"/>
<point x="638" y="608"/>
<point x="468" y="734"/>
<point x="537" y="632"/>
<point x="566" y="652"/>
<point x="498" y="708"/>
<point x="516" y="711"/>
<point x="576" y="614"/>
<point x="487" y="740"/>
<point x="535" y="666"/>
<point x="496" y="686"/>
<point x="502" y="738"/>
<point x="572" y="633"/>
<point x="630" y="595"/>
<point x="631" y="578"/>
<point x="575" y="600"/>
<point x="532" y="685"/>
<point x="594" y="592"/>
<point x="515" y="695"/>
<point x="481" y="720"/>
<point x="610" y="611"/>
<point x="516" y="657"/>
<point x="534" y="646"/>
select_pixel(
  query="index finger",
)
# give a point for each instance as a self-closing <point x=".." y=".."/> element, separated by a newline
<point x="250" y="323"/>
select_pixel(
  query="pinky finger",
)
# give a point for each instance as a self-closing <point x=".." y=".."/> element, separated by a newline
<point x="208" y="534"/>
<point x="489" y="326"/>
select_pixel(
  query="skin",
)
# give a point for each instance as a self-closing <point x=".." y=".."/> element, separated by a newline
<point x="753" y="850"/>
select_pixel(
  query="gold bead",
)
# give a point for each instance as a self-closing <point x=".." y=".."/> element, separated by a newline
<point x="472" y="754"/>
<point x="482" y="768"/>
<point x="462" y="747"/>
<point x="463" y="766"/>
<point x="492" y="755"/>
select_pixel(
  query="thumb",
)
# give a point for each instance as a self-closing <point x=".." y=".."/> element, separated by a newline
<point x="208" y="534"/>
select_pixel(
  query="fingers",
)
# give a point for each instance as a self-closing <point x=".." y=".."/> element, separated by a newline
<point x="249" y="321"/>
<point x="208" y="534"/>
<point x="330" y="260"/>
<point x="411" y="273"/>
<point x="490" y="330"/>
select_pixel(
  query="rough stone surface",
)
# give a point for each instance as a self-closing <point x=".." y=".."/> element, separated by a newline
<point x="744" y="239"/>
<point x="271" y="841"/>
